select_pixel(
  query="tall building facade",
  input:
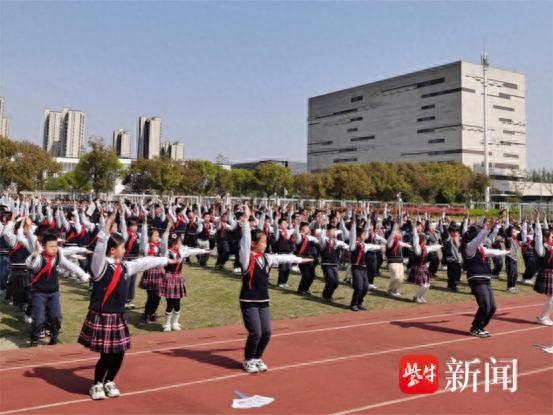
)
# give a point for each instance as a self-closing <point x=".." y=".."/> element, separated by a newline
<point x="149" y="137"/>
<point x="122" y="143"/>
<point x="63" y="132"/>
<point x="431" y="115"/>
<point x="4" y="122"/>
<point x="173" y="150"/>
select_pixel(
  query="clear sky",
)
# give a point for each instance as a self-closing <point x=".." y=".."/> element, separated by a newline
<point x="234" y="77"/>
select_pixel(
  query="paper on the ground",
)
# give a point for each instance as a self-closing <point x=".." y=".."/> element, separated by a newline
<point x="254" y="401"/>
<point x="546" y="349"/>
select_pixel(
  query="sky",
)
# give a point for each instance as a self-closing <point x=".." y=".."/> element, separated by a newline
<point x="233" y="78"/>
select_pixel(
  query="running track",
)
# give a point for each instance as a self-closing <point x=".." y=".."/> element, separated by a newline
<point x="345" y="363"/>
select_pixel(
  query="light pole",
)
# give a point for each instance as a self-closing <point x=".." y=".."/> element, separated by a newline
<point x="485" y="63"/>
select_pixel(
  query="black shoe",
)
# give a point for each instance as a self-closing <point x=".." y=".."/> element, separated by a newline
<point x="354" y="308"/>
<point x="34" y="343"/>
<point x="53" y="340"/>
<point x="145" y="318"/>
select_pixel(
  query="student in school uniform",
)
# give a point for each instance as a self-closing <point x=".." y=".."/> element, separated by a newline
<point x="283" y="245"/>
<point x="44" y="264"/>
<point x="132" y="251"/>
<point x="479" y="274"/>
<point x="451" y="244"/>
<point x="372" y="258"/>
<point x="105" y="329"/>
<point x="528" y="255"/>
<point x="173" y="287"/>
<point x="254" y="294"/>
<point x="205" y="232"/>
<point x="152" y="245"/>
<point x="329" y="248"/>
<point x="225" y="226"/>
<point x="543" y="240"/>
<point x="394" y="257"/>
<point x="512" y="244"/>
<point x="420" y="272"/>
<point x="306" y="247"/>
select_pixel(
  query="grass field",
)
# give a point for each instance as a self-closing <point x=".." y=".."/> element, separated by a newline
<point x="213" y="301"/>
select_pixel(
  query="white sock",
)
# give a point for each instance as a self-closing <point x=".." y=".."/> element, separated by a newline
<point x="421" y="290"/>
<point x="547" y="308"/>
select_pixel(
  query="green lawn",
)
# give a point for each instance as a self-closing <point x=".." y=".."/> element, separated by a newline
<point x="213" y="301"/>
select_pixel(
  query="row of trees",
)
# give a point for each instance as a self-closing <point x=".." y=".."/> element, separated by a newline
<point x="28" y="167"/>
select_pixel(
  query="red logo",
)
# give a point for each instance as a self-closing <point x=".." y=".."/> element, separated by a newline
<point x="418" y="374"/>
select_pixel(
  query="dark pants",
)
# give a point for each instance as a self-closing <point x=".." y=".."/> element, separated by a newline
<point x="236" y="251"/>
<point x="223" y="252"/>
<point x="512" y="272"/>
<point x="152" y="303"/>
<point x="283" y="273"/>
<point x="433" y="263"/>
<point x="257" y="320"/>
<point x="453" y="274"/>
<point x="531" y="264"/>
<point x="483" y="293"/>
<point x="130" y="288"/>
<point x="43" y="303"/>
<point x="19" y="280"/>
<point x="4" y="271"/>
<point x="380" y="260"/>
<point x="372" y="265"/>
<point x="330" y="273"/>
<point x="497" y="265"/>
<point x="173" y="304"/>
<point x="360" y="284"/>
<point x="107" y="367"/>
<point x="307" y="276"/>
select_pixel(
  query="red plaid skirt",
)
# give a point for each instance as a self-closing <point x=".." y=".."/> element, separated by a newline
<point x="105" y="332"/>
<point x="544" y="282"/>
<point x="152" y="279"/>
<point x="172" y="286"/>
<point x="419" y="274"/>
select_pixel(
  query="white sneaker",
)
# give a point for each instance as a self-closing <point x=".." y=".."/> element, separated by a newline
<point x="372" y="287"/>
<point x="28" y="319"/>
<point x="394" y="293"/>
<point x="513" y="290"/>
<point x="97" y="392"/>
<point x="237" y="271"/>
<point x="261" y="366"/>
<point x="418" y="300"/>
<point x="111" y="390"/>
<point x="527" y="282"/>
<point x="167" y="324"/>
<point x="175" y="325"/>
<point x="250" y="366"/>
<point x="295" y="269"/>
<point x="544" y="321"/>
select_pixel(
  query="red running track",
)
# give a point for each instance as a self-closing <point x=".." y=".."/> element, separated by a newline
<point x="345" y="363"/>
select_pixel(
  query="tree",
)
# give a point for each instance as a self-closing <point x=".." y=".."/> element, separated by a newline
<point x="199" y="177"/>
<point x="25" y="165"/>
<point x="310" y="186"/>
<point x="154" y="175"/>
<point x="273" y="178"/>
<point x="66" y="182"/>
<point x="98" y="169"/>
<point x="243" y="182"/>
<point x="349" y="181"/>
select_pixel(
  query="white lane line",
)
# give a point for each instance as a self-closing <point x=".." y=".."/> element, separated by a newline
<point x="275" y="369"/>
<point x="413" y="397"/>
<point x="293" y="333"/>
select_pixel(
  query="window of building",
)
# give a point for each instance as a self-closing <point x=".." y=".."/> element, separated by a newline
<point x="356" y="119"/>
<point x="427" y="107"/>
<point x="350" y="110"/>
<point x="356" y="99"/>
<point x="425" y="130"/>
<point x="506" y="166"/>
<point x="351" y="130"/>
<point x="504" y="96"/>
<point x="365" y="138"/>
<point x="510" y="155"/>
<point x="436" y="140"/>
<point x="505" y="120"/>
<point x="426" y="119"/>
<point x="510" y="132"/>
<point x="509" y="85"/>
<point x="447" y="91"/>
<point x="431" y="82"/>
<point x="499" y="107"/>
<point x="321" y="143"/>
<point x="345" y="160"/>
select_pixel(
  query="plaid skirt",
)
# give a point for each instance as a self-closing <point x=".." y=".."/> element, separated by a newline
<point x="152" y="279"/>
<point x="172" y="286"/>
<point x="419" y="274"/>
<point x="544" y="282"/>
<point x="105" y="332"/>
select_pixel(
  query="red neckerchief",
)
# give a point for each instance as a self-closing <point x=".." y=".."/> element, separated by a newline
<point x="178" y="258"/>
<point x="303" y="245"/>
<point x="130" y="241"/>
<point x="424" y="251"/>
<point x="482" y="253"/>
<point x="251" y="266"/>
<point x="152" y="250"/>
<point x="266" y="229"/>
<point x="75" y="235"/>
<point x="114" y="281"/>
<point x="330" y="245"/>
<point x="207" y="226"/>
<point x="223" y="228"/>
<point x="46" y="269"/>
<point x="179" y="221"/>
<point x="395" y="248"/>
<point x="371" y="236"/>
<point x="360" y="253"/>
<point x="16" y="248"/>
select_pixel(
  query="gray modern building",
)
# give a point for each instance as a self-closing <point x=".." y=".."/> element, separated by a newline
<point x="434" y="114"/>
<point x="173" y="150"/>
<point x="63" y="132"/>
<point x="122" y="143"/>
<point x="4" y="122"/>
<point x="149" y="137"/>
